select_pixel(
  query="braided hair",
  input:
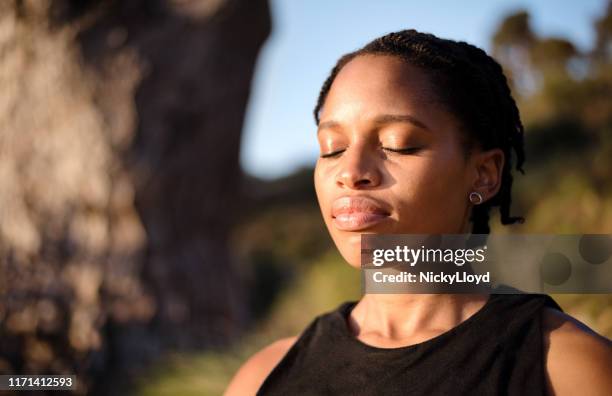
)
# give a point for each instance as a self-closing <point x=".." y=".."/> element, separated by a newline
<point x="472" y="85"/>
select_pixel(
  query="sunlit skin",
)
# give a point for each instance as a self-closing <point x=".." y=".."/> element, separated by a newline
<point x="376" y="106"/>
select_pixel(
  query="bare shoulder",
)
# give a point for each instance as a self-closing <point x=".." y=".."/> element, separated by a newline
<point x="578" y="360"/>
<point x="254" y="371"/>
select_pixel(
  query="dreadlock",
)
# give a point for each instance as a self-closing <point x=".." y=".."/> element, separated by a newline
<point x="472" y="85"/>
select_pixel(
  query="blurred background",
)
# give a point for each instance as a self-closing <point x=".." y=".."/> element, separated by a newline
<point x="158" y="219"/>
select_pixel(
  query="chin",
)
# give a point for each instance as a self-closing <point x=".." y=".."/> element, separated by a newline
<point x="350" y="249"/>
<point x="353" y="261"/>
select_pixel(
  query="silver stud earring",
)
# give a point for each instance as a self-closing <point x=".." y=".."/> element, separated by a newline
<point x="475" y="198"/>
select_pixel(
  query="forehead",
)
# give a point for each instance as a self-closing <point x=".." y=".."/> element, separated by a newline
<point x="380" y="83"/>
<point x="373" y="85"/>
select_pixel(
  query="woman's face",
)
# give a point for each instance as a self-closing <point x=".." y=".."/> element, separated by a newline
<point x="377" y="106"/>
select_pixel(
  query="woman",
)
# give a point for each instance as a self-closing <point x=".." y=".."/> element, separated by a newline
<point x="416" y="136"/>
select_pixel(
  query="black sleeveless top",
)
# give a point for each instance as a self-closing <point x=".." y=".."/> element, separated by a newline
<point x="496" y="351"/>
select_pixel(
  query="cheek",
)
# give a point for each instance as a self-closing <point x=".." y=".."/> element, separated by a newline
<point x="431" y="192"/>
<point x="321" y="184"/>
<point x="324" y="180"/>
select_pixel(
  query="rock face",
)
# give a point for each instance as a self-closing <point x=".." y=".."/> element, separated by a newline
<point x="120" y="127"/>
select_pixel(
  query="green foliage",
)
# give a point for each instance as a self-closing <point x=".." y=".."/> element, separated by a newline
<point x="318" y="288"/>
<point x="553" y="52"/>
<point x="514" y="29"/>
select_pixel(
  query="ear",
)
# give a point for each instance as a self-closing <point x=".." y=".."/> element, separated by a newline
<point x="488" y="166"/>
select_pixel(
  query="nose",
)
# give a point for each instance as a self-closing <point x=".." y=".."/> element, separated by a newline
<point x="358" y="169"/>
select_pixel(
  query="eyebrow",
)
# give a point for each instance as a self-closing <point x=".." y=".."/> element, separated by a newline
<point x="380" y="121"/>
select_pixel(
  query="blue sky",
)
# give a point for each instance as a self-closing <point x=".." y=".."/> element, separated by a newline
<point x="308" y="36"/>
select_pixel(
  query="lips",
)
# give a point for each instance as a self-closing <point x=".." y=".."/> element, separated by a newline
<point x="357" y="213"/>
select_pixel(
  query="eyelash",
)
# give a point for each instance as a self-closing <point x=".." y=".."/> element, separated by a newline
<point x="333" y="154"/>
<point x="403" y="151"/>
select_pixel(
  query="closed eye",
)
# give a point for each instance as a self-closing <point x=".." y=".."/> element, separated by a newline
<point x="407" y="150"/>
<point x="332" y="154"/>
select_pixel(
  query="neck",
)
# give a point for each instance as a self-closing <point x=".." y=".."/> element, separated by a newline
<point x="390" y="318"/>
